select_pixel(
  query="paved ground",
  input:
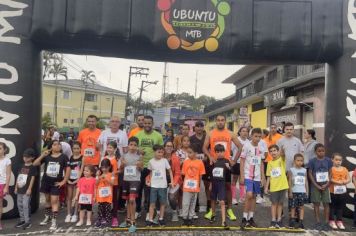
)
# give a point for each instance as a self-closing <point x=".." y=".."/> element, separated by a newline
<point x="262" y="218"/>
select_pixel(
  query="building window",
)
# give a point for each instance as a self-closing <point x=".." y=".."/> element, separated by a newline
<point x="244" y="92"/>
<point x="272" y="75"/>
<point x="72" y="121"/>
<point x="258" y="106"/>
<point x="258" y="85"/>
<point x="66" y="94"/>
<point x="90" y="97"/>
<point x="290" y="72"/>
<point x="65" y="121"/>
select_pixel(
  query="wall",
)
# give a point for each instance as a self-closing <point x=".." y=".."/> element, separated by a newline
<point x="258" y="118"/>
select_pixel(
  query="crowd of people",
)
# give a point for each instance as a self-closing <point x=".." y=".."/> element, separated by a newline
<point x="142" y="171"/>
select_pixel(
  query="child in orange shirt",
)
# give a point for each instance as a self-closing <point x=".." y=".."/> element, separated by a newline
<point x="339" y="179"/>
<point x="104" y="182"/>
<point x="192" y="171"/>
<point x="111" y="156"/>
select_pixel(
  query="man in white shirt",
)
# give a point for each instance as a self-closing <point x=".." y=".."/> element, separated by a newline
<point x="113" y="134"/>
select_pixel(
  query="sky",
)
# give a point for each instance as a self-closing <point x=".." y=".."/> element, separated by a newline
<point x="114" y="73"/>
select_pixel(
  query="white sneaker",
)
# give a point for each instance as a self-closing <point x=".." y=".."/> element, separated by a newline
<point x="241" y="200"/>
<point x="195" y="216"/>
<point x="67" y="220"/>
<point x="80" y="223"/>
<point x="340" y="225"/>
<point x="259" y="199"/>
<point x="88" y="222"/>
<point x="46" y="220"/>
<point x="53" y="225"/>
<point x="180" y="213"/>
<point x="234" y="202"/>
<point x="74" y="219"/>
<point x="137" y="215"/>
<point x="147" y="217"/>
<point x="175" y="216"/>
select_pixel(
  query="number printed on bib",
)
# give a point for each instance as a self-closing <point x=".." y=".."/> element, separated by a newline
<point x="53" y="169"/>
<point x="21" y="180"/>
<point x="255" y="161"/>
<point x="276" y="172"/>
<point x="339" y="189"/>
<point x="299" y="180"/>
<point x="130" y="171"/>
<point x="322" y="177"/>
<point x="104" y="191"/>
<point x="156" y="174"/>
<point x="190" y="184"/>
<point x="74" y="174"/>
<point x="89" y="152"/>
<point x="200" y="156"/>
<point x="218" y="172"/>
<point x="85" y="198"/>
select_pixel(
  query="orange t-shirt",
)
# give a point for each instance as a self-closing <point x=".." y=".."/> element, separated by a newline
<point x="220" y="137"/>
<point x="338" y="174"/>
<point x="273" y="141"/>
<point x="134" y="132"/>
<point x="88" y="139"/>
<point x="192" y="171"/>
<point x="104" y="189"/>
<point x="115" y="168"/>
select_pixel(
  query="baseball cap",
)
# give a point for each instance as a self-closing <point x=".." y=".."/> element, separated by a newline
<point x="29" y="152"/>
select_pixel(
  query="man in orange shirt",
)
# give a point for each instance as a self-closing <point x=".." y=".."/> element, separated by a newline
<point x="272" y="139"/>
<point x="89" y="140"/>
<point x="140" y="121"/>
<point x="223" y="136"/>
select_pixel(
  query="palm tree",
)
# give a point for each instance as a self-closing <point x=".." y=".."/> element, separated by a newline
<point x="88" y="76"/>
<point x="57" y="70"/>
<point x="49" y="59"/>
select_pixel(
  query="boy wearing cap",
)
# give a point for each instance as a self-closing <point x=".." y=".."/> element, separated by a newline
<point x="23" y="188"/>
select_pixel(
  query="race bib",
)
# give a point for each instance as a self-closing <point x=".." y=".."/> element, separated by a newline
<point x="190" y="184"/>
<point x="85" y="198"/>
<point x="218" y="172"/>
<point x="200" y="156"/>
<point x="339" y="189"/>
<point x="104" y="192"/>
<point x="21" y="180"/>
<point x="74" y="174"/>
<point x="89" y="152"/>
<point x="156" y="174"/>
<point x="276" y="172"/>
<point x="322" y="177"/>
<point x="255" y="161"/>
<point x="299" y="180"/>
<point x="130" y="171"/>
<point x="53" y="169"/>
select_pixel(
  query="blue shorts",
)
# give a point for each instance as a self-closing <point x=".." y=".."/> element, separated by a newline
<point x="253" y="186"/>
<point x="218" y="190"/>
<point x="159" y="194"/>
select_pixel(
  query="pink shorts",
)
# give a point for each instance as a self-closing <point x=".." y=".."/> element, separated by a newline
<point x="2" y="186"/>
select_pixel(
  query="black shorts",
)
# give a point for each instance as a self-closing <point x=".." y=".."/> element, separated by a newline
<point x="208" y="170"/>
<point x="130" y="189"/>
<point x="218" y="191"/>
<point x="48" y="188"/>
<point x="235" y="169"/>
<point x="228" y="176"/>
<point x="88" y="207"/>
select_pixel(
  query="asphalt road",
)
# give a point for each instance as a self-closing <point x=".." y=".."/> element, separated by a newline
<point x="262" y="218"/>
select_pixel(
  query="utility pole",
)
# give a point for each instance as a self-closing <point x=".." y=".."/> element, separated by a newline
<point x="134" y="71"/>
<point x="164" y="83"/>
<point x="196" y="84"/>
<point x="143" y="82"/>
<point x="177" y="85"/>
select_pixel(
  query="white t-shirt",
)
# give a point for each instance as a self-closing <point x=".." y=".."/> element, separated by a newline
<point x="263" y="146"/>
<point x="158" y="172"/>
<point x="55" y="136"/>
<point x="234" y="149"/>
<point x="66" y="149"/>
<point x="120" y="137"/>
<point x="3" y="165"/>
<point x="253" y="156"/>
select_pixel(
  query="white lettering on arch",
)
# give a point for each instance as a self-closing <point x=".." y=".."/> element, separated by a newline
<point x="6" y="118"/>
<point x="14" y="75"/>
<point x="351" y="10"/>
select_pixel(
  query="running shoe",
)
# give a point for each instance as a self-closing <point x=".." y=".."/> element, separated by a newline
<point x="252" y="223"/>
<point x="208" y="215"/>
<point x="26" y="226"/>
<point x="230" y="214"/>
<point x="20" y="224"/>
<point x="340" y="225"/>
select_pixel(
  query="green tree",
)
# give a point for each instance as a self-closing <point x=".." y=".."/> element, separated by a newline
<point x="87" y="77"/>
<point x="46" y="121"/>
<point x="57" y="70"/>
<point x="50" y="59"/>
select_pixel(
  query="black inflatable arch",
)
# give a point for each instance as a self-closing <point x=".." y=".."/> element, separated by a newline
<point x="199" y="31"/>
